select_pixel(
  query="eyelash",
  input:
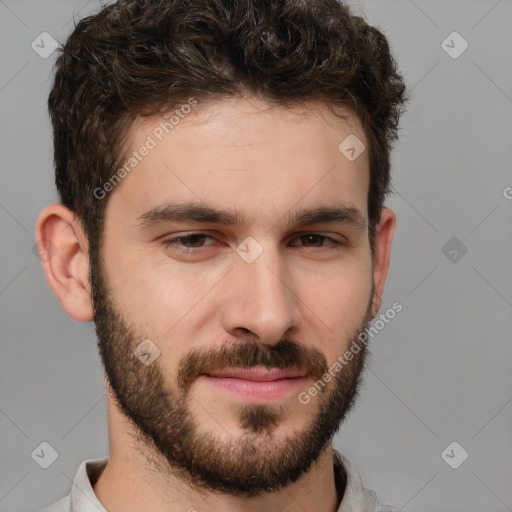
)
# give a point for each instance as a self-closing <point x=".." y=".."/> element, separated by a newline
<point x="169" y="242"/>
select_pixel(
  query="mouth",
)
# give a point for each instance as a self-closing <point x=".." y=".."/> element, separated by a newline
<point x="257" y="385"/>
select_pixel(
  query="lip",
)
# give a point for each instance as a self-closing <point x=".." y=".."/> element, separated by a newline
<point x="257" y="385"/>
<point x="257" y="374"/>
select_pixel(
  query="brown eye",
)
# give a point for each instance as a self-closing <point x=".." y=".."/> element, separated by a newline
<point x="184" y="242"/>
<point x="316" y="240"/>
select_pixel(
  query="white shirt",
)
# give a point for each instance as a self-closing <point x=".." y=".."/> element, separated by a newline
<point x="82" y="498"/>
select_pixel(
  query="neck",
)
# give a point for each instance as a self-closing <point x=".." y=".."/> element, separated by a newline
<point x="131" y="482"/>
<point x="128" y="485"/>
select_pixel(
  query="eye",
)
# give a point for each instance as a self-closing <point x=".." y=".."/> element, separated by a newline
<point x="187" y="243"/>
<point x="317" y="240"/>
<point x="195" y="243"/>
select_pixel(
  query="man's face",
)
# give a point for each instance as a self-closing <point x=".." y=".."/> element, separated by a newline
<point x="272" y="292"/>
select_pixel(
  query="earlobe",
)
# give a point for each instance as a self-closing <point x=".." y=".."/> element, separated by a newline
<point x="63" y="250"/>
<point x="382" y="254"/>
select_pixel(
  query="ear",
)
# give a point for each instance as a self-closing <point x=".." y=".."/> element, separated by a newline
<point x="382" y="253"/>
<point x="63" y="250"/>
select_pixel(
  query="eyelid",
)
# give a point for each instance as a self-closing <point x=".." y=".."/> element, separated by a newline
<point x="175" y="238"/>
<point x="171" y="240"/>
<point x="342" y="240"/>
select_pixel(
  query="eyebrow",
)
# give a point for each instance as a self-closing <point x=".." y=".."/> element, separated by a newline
<point x="196" y="212"/>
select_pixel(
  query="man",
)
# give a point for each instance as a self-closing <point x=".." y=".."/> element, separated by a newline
<point x="222" y="168"/>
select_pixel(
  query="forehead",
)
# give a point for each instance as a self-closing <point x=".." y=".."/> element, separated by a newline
<point x="247" y="154"/>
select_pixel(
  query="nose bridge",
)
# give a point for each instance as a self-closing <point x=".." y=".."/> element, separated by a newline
<point x="262" y="300"/>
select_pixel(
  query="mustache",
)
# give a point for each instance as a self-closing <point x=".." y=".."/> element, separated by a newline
<point x="285" y="354"/>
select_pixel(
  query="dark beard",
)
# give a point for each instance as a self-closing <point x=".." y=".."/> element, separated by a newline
<point x="162" y="421"/>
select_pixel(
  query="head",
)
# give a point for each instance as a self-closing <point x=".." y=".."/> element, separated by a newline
<point x="243" y="235"/>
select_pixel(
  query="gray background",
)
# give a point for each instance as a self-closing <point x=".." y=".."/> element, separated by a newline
<point x="440" y="370"/>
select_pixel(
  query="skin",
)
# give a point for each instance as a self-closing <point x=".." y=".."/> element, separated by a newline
<point x="266" y="162"/>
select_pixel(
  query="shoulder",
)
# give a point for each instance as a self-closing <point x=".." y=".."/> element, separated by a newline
<point x="357" y="498"/>
<point x="82" y="494"/>
<point x="62" y="505"/>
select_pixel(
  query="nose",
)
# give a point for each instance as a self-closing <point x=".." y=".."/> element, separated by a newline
<point x="261" y="300"/>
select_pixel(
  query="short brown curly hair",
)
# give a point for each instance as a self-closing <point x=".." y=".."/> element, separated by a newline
<point x="144" y="57"/>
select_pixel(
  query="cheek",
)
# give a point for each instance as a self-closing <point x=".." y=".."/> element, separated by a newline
<point x="343" y="298"/>
<point x="168" y="304"/>
<point x="335" y="302"/>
